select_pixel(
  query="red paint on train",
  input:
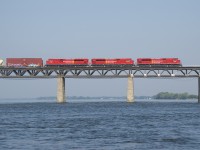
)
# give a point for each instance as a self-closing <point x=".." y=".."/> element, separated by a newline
<point x="158" y="61"/>
<point x="24" y="62"/>
<point x="116" y="61"/>
<point x="35" y="62"/>
<point x="67" y="62"/>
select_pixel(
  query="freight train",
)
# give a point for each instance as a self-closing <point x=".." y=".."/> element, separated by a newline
<point x="38" y="62"/>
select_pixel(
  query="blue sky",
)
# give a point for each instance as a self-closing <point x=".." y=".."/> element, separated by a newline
<point x="99" y="28"/>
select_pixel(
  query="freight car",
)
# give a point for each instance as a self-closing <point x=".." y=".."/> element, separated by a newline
<point x="24" y="62"/>
<point x="112" y="62"/>
<point x="67" y="62"/>
<point x="158" y="62"/>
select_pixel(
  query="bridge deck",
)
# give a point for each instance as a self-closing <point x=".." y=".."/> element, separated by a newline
<point x="100" y="72"/>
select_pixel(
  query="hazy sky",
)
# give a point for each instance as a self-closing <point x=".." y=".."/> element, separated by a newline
<point x="99" y="28"/>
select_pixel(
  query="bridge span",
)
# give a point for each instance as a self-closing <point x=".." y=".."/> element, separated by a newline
<point x="129" y="72"/>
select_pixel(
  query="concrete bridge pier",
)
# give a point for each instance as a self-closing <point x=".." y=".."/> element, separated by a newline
<point x="198" y="89"/>
<point x="61" y="90"/>
<point x="130" y="90"/>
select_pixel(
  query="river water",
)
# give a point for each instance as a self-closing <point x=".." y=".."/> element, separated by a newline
<point x="100" y="125"/>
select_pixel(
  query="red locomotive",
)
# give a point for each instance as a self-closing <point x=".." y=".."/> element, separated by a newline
<point x="159" y="61"/>
<point x="61" y="62"/>
<point x="116" y="61"/>
<point x="24" y="62"/>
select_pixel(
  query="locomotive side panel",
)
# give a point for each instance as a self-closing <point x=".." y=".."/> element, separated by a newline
<point x="172" y="61"/>
<point x="125" y="61"/>
<point x="81" y="61"/>
<point x="98" y="61"/>
<point x="159" y="61"/>
<point x="57" y="62"/>
<point x="144" y="61"/>
<point x="118" y="61"/>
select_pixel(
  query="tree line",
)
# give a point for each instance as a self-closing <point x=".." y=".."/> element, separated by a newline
<point x="167" y="95"/>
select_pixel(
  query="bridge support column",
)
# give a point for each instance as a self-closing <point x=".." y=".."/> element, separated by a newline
<point x="130" y="90"/>
<point x="61" y="90"/>
<point x="198" y="89"/>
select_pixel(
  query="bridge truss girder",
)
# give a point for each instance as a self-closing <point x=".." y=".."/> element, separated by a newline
<point x="100" y="72"/>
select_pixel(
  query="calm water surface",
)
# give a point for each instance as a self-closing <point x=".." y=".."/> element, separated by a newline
<point x="100" y="125"/>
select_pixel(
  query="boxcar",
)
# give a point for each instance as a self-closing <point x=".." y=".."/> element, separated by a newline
<point x="159" y="61"/>
<point x="24" y="62"/>
<point x="116" y="61"/>
<point x="67" y="62"/>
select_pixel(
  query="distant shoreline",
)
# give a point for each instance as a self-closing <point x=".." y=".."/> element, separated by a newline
<point x="159" y="96"/>
<point x="97" y="97"/>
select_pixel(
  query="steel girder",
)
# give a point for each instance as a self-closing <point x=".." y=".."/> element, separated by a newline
<point x="99" y="72"/>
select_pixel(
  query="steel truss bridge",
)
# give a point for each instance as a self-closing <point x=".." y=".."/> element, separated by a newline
<point x="129" y="72"/>
<point x="100" y="72"/>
